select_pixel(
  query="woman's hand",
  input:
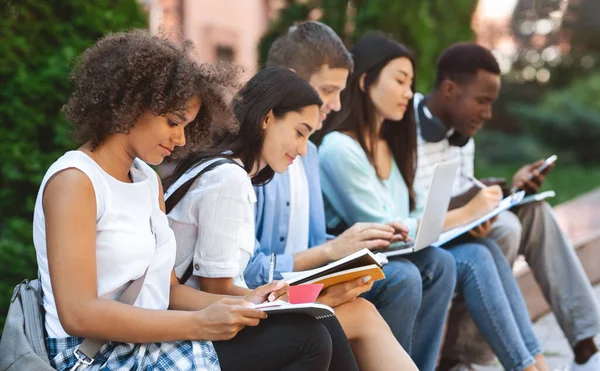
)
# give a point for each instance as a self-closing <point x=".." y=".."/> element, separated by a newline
<point x="345" y="292"/>
<point x="484" y="202"/>
<point x="276" y="290"/>
<point x="225" y="318"/>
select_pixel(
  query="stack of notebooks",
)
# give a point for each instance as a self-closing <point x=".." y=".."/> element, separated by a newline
<point x="360" y="264"/>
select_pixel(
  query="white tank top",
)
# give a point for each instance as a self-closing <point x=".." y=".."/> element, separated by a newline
<point x="128" y="240"/>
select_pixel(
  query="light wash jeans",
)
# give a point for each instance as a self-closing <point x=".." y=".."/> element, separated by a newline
<point x="494" y="300"/>
<point x="532" y="231"/>
<point x="414" y="299"/>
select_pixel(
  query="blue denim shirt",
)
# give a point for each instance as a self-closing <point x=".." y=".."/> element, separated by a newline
<point x="272" y="219"/>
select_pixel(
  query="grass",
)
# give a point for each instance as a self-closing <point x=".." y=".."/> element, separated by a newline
<point x="568" y="181"/>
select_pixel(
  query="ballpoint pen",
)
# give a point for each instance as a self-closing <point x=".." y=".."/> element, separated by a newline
<point x="476" y="181"/>
<point x="272" y="263"/>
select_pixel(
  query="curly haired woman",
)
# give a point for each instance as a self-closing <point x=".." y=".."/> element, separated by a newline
<point x="99" y="224"/>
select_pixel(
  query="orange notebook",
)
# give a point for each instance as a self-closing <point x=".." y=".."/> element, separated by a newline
<point x="372" y="270"/>
<point x="361" y="263"/>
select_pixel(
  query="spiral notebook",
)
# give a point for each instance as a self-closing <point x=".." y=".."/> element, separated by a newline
<point x="317" y="310"/>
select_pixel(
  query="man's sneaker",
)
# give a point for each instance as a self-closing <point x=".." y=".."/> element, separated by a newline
<point x="593" y="364"/>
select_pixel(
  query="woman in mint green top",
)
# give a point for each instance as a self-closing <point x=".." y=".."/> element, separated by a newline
<point x="368" y="162"/>
<point x="353" y="191"/>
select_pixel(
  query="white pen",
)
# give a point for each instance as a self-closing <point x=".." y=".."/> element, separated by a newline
<point x="272" y="263"/>
<point x="476" y="181"/>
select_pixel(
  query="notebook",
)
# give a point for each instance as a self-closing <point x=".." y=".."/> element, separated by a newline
<point x="317" y="310"/>
<point x="508" y="202"/>
<point x="536" y="197"/>
<point x="434" y="214"/>
<point x="372" y="270"/>
<point x="361" y="263"/>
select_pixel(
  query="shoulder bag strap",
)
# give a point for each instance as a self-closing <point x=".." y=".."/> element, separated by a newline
<point x="89" y="348"/>
<point x="178" y="194"/>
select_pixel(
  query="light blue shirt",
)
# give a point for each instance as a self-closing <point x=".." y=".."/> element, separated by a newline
<point x="272" y="219"/>
<point x="352" y="190"/>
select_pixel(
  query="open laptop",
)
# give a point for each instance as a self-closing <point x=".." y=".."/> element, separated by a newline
<point x="434" y="214"/>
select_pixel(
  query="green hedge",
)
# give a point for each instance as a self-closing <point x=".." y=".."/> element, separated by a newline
<point x="567" y="120"/>
<point x="39" y="39"/>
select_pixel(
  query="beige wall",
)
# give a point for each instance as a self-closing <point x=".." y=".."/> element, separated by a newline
<point x="237" y="24"/>
<point x="209" y="24"/>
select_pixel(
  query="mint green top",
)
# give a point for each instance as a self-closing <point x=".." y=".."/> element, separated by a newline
<point x="352" y="190"/>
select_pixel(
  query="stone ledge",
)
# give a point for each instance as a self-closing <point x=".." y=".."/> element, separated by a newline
<point x="580" y="219"/>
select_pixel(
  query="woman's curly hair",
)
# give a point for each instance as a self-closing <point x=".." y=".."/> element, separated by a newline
<point x="128" y="73"/>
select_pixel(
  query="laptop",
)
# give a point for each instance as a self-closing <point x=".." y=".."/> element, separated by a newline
<point x="434" y="214"/>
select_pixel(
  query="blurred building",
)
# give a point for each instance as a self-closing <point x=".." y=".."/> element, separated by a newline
<point x="492" y="26"/>
<point x="223" y="29"/>
<point x="539" y="36"/>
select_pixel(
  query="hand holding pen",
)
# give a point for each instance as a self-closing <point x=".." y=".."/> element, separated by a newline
<point x="485" y="200"/>
<point x="274" y="290"/>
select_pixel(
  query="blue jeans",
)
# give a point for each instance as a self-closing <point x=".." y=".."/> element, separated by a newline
<point x="414" y="299"/>
<point x="494" y="300"/>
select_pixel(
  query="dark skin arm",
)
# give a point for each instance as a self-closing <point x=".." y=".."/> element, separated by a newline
<point x="529" y="179"/>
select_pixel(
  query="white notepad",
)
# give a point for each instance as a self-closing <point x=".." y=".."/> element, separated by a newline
<point x="505" y="204"/>
<point x="316" y="310"/>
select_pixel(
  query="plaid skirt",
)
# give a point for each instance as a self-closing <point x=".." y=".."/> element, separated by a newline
<point x="176" y="355"/>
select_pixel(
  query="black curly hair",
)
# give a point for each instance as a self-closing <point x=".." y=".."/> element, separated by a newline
<point x="127" y="73"/>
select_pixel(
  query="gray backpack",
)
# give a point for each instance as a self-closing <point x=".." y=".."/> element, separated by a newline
<point x="22" y="346"/>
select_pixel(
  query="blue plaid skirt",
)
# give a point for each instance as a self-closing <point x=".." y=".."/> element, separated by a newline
<point x="176" y="355"/>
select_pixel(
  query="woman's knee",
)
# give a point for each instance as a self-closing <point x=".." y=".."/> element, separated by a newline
<point x="367" y="318"/>
<point x="493" y="248"/>
<point x="473" y="258"/>
<point x="441" y="266"/>
<point x="312" y="334"/>
<point x="403" y="282"/>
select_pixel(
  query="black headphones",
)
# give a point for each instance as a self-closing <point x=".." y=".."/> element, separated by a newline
<point x="433" y="129"/>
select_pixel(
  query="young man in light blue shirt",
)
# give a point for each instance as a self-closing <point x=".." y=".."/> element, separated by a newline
<point x="290" y="218"/>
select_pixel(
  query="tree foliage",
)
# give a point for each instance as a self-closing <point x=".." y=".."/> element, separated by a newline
<point x="38" y="42"/>
<point x="567" y="120"/>
<point x="425" y="26"/>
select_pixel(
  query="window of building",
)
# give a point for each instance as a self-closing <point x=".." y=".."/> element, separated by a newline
<point x="225" y="53"/>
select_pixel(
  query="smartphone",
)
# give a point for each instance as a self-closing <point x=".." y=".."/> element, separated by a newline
<point x="549" y="161"/>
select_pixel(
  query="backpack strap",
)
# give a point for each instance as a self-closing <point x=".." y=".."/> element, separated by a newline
<point x="174" y="198"/>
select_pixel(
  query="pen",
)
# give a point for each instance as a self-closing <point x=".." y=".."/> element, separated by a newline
<point x="272" y="263"/>
<point x="475" y="181"/>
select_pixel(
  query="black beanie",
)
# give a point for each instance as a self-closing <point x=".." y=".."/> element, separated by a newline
<point x="374" y="48"/>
